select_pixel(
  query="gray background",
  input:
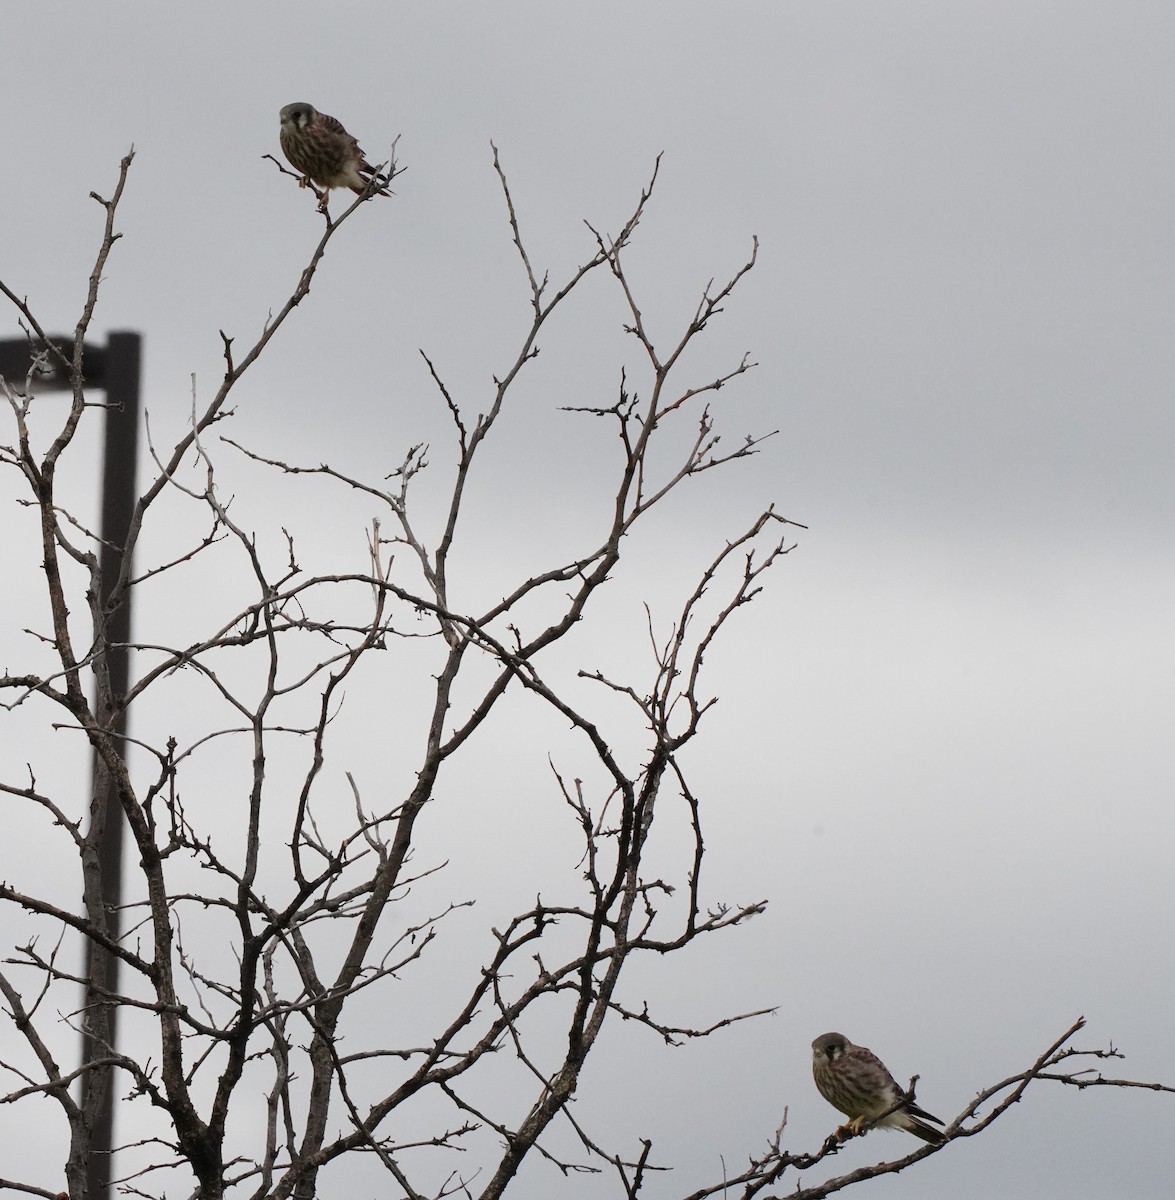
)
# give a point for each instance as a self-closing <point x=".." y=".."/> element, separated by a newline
<point x="944" y="747"/>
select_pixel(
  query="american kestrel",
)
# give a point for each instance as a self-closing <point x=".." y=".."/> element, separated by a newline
<point x="855" y="1080"/>
<point x="323" y="151"/>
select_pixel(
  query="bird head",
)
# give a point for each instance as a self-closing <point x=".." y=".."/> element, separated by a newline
<point x="298" y="115"/>
<point x="828" y="1047"/>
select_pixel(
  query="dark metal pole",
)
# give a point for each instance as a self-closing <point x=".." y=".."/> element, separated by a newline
<point x="120" y="379"/>
<point x="115" y="369"/>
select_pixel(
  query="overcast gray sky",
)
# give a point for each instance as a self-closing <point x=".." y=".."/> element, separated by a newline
<point x="944" y="748"/>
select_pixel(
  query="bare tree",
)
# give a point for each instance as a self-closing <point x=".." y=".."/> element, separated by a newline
<point x="255" y="946"/>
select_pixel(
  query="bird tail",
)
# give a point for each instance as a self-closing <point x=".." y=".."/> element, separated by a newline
<point x="368" y="173"/>
<point x="379" y="191"/>
<point x="915" y="1123"/>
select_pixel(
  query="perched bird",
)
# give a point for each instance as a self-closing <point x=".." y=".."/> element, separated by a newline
<point x="855" y="1081"/>
<point x="324" y="152"/>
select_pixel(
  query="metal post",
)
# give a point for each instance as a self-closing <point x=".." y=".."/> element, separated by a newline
<point x="114" y="368"/>
<point x="120" y="379"/>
